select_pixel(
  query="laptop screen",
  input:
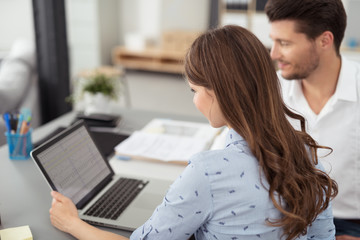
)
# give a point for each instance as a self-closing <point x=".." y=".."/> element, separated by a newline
<point x="73" y="165"/>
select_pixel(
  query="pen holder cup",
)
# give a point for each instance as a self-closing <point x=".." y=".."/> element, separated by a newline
<point x="20" y="145"/>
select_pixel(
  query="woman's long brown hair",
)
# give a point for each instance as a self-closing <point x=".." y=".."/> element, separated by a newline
<point x="233" y="63"/>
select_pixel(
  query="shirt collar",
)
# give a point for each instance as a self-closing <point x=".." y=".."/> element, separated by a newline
<point x="234" y="138"/>
<point x="295" y="90"/>
<point x="345" y="88"/>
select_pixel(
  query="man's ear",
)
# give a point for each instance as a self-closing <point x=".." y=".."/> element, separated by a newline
<point x="326" y="40"/>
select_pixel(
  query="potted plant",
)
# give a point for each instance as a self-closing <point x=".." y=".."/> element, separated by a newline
<point x="98" y="89"/>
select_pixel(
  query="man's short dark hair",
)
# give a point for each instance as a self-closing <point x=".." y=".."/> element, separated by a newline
<point x="312" y="17"/>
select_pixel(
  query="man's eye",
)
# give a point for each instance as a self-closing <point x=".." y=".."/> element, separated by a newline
<point x="192" y="90"/>
<point x="284" y="44"/>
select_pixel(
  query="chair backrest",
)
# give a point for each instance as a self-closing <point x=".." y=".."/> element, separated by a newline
<point x="19" y="83"/>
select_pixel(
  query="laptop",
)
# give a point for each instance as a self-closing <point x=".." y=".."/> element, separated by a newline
<point x="73" y="165"/>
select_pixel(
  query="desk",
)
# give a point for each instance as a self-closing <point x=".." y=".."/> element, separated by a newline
<point x="25" y="196"/>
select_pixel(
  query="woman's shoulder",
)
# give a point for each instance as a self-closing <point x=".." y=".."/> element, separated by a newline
<point x="208" y="156"/>
<point x="231" y="157"/>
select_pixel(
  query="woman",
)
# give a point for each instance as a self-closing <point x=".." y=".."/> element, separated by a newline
<point x="265" y="184"/>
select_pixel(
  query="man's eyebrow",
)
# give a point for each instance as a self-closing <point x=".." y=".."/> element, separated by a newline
<point x="280" y="39"/>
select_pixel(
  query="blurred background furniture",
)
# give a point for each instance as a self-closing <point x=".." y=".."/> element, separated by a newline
<point x="167" y="57"/>
<point x="19" y="83"/>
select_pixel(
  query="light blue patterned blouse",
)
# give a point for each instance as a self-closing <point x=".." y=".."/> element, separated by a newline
<point x="220" y="196"/>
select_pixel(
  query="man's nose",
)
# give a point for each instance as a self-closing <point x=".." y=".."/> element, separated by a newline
<point x="275" y="53"/>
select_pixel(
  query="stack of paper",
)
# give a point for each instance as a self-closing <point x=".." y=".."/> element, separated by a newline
<point x="168" y="140"/>
<point x="16" y="233"/>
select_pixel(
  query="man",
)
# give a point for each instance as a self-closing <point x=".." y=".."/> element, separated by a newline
<point x="325" y="88"/>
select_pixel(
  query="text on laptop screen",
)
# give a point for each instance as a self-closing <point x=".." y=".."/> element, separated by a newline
<point x="74" y="164"/>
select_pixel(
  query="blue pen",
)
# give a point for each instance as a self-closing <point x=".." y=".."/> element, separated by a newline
<point x="26" y="112"/>
<point x="124" y="158"/>
<point x="6" y="117"/>
<point x="20" y="120"/>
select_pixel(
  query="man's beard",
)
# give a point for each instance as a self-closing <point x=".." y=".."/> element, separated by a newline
<point x="303" y="70"/>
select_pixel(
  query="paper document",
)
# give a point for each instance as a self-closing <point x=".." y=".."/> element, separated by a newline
<point x="168" y="140"/>
<point x="18" y="233"/>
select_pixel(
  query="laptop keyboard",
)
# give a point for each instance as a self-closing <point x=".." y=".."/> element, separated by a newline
<point x="116" y="199"/>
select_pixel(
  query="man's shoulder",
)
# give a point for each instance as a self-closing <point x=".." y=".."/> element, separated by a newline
<point x="351" y="66"/>
<point x="350" y="60"/>
<point x="350" y="72"/>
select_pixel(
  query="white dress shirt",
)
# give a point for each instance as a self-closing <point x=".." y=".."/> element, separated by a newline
<point x="336" y="126"/>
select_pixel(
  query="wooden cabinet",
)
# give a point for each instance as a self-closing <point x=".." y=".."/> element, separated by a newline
<point x="150" y="59"/>
<point x="168" y="57"/>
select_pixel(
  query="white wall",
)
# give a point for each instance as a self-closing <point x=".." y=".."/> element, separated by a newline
<point x="185" y="15"/>
<point x="82" y="34"/>
<point x="352" y="30"/>
<point x="87" y="43"/>
<point x="149" y="18"/>
<point x="16" y="21"/>
<point x="128" y="15"/>
<point x="92" y="28"/>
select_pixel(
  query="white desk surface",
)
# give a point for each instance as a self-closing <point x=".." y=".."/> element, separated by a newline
<point x="25" y="196"/>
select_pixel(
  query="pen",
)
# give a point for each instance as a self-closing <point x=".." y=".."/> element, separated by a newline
<point x="20" y="122"/>
<point x="124" y="158"/>
<point x="13" y="117"/>
<point x="24" y="127"/>
<point x="26" y="113"/>
<point x="6" y="117"/>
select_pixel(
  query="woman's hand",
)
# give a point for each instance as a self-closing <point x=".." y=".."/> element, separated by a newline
<point x="64" y="216"/>
<point x="347" y="237"/>
<point x="63" y="212"/>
